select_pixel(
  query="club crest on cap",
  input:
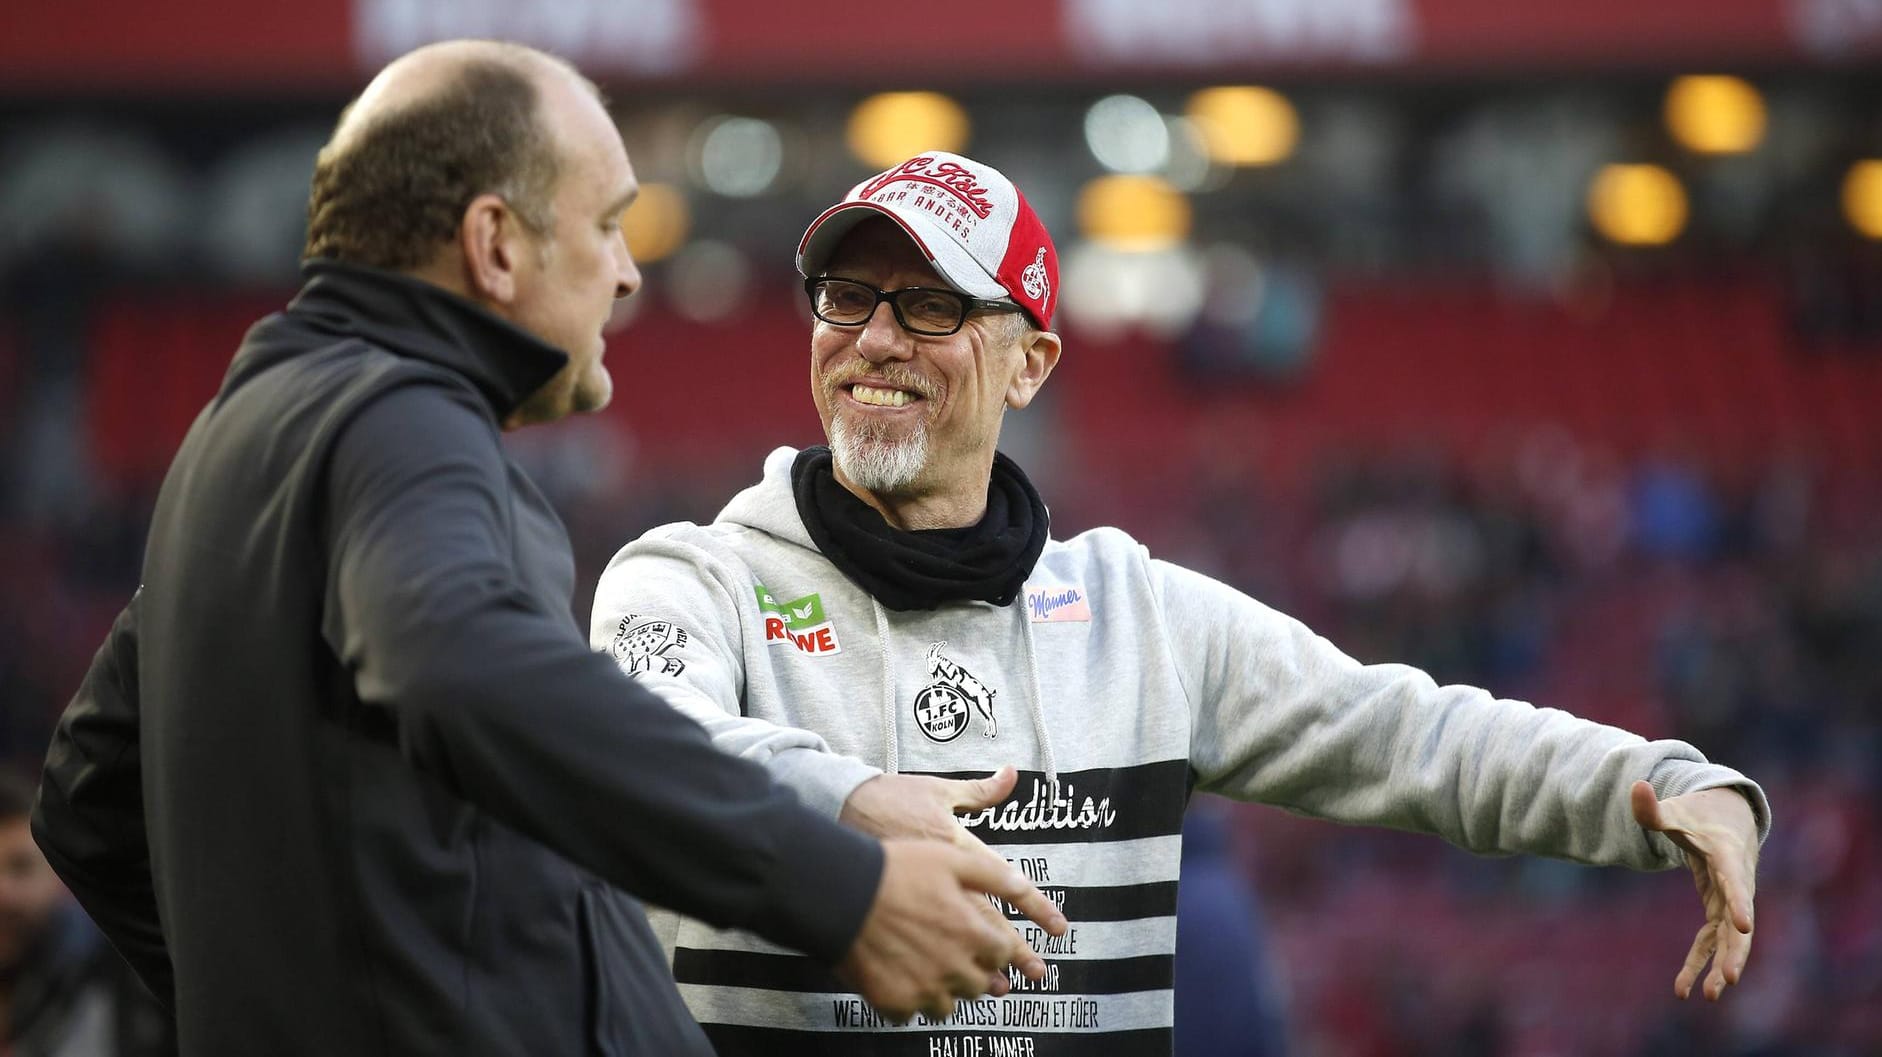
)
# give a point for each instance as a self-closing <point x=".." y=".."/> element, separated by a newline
<point x="1034" y="280"/>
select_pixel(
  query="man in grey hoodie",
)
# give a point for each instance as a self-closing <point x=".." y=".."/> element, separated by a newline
<point x="881" y="621"/>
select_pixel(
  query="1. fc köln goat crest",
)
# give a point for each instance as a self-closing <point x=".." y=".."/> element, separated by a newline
<point x="943" y="707"/>
<point x="643" y="647"/>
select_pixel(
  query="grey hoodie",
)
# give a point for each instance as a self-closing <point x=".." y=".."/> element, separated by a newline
<point x="1116" y="684"/>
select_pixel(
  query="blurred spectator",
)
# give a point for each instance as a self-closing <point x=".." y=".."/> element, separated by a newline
<point x="1228" y="1002"/>
<point x="63" y="991"/>
<point x="1675" y="515"/>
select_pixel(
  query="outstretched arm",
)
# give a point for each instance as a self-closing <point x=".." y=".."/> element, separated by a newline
<point x="1282" y="716"/>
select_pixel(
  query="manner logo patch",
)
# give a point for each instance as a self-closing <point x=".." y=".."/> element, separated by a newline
<point x="800" y="622"/>
<point x="1058" y="604"/>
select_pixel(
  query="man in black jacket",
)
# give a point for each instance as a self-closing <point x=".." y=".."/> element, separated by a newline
<point x="345" y="779"/>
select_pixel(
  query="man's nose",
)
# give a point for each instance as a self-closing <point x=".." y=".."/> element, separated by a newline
<point x="882" y="337"/>
<point x="626" y="272"/>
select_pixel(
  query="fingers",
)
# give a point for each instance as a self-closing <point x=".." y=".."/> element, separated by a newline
<point x="931" y="937"/>
<point x="992" y="954"/>
<point x="1720" y="940"/>
<point x="975" y="793"/>
<point x="967" y="981"/>
<point x="1040" y="910"/>
<point x="1735" y="887"/>
<point x="1734" y="873"/>
<point x="1702" y="947"/>
<point x="1728" y="910"/>
<point x="1728" y="962"/>
<point x="963" y="838"/>
<point x="990" y="874"/>
<point x="1019" y="954"/>
<point x="1737" y="946"/>
<point x="1725" y="869"/>
<point x="940" y="1009"/>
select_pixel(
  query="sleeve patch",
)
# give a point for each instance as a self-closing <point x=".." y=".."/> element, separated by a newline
<point x="648" y="645"/>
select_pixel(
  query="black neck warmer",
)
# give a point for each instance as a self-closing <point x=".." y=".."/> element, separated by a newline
<point x="987" y="562"/>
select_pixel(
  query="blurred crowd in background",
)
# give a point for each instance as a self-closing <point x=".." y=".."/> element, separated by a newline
<point x="1559" y="378"/>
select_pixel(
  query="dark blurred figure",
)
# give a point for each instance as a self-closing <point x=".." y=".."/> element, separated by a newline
<point x="1228" y="1003"/>
<point x="63" y="991"/>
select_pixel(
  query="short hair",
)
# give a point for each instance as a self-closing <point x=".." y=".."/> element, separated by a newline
<point x="1020" y="327"/>
<point x="16" y="794"/>
<point x="393" y="194"/>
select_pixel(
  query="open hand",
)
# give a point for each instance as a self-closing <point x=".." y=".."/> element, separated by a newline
<point x="1716" y="830"/>
<point x="922" y="807"/>
<point x="930" y="938"/>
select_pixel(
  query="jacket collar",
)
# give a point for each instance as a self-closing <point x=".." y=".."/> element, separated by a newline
<point x="412" y="317"/>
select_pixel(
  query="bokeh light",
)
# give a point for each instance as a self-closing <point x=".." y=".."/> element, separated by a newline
<point x="1862" y="197"/>
<point x="738" y="156"/>
<point x="1715" y="114"/>
<point x="1637" y="205"/>
<point x="890" y="127"/>
<point x="657" y="223"/>
<point x="1245" y="124"/>
<point x="1127" y="135"/>
<point x="1133" y="213"/>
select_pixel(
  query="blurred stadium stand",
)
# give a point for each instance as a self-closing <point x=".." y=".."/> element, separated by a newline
<point x="1407" y="382"/>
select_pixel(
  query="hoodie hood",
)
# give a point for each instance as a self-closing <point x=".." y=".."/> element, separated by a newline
<point x="770" y="506"/>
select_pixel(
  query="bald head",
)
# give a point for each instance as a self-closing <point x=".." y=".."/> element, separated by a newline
<point x="435" y="129"/>
<point x="422" y="76"/>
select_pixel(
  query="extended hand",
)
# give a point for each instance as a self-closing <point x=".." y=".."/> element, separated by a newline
<point x="919" y="807"/>
<point x="929" y="937"/>
<point x="1716" y="830"/>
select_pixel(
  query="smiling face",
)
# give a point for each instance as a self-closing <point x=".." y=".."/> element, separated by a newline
<point x="566" y="288"/>
<point x="914" y="419"/>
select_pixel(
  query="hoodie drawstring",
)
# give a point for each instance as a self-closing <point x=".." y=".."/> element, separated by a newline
<point x="891" y="748"/>
<point x="1037" y="701"/>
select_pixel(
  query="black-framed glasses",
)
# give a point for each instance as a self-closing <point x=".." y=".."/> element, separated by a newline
<point x="924" y="310"/>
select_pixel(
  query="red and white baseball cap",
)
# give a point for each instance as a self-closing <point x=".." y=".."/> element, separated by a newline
<point x="967" y="218"/>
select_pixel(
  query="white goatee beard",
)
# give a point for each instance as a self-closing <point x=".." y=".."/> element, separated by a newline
<point x="877" y="464"/>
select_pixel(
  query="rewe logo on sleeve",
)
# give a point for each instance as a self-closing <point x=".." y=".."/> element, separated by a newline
<point x="799" y="622"/>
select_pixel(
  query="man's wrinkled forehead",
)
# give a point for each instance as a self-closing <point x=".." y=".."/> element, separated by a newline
<point x="879" y="250"/>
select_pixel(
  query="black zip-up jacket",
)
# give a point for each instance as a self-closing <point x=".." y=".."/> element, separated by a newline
<point x="345" y="778"/>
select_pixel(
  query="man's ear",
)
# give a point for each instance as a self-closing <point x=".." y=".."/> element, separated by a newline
<point x="1041" y="349"/>
<point x="495" y="244"/>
